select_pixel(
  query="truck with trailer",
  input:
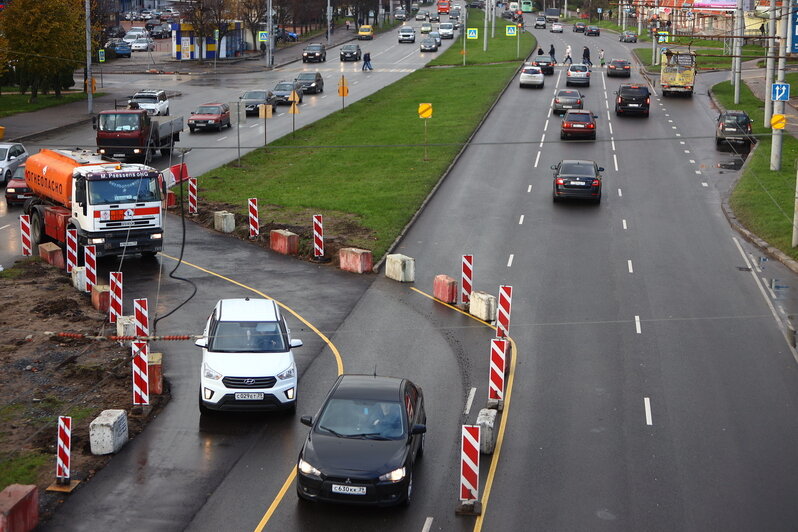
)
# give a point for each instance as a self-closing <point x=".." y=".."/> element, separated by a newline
<point x="552" y="14"/>
<point x="134" y="135"/>
<point x="116" y="207"/>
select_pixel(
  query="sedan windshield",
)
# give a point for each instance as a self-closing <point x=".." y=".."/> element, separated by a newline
<point x="362" y="418"/>
<point x="209" y="110"/>
<point x="284" y="87"/>
<point x="255" y="95"/>
<point x="307" y="76"/>
<point x="247" y="337"/>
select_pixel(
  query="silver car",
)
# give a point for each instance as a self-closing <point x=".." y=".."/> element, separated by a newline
<point x="567" y="99"/>
<point x="578" y="74"/>
<point x="11" y="156"/>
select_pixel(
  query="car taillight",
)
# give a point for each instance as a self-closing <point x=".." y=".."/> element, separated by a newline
<point x="596" y="182"/>
<point x="578" y="102"/>
<point x="619" y="99"/>
<point x="560" y="181"/>
<point x="591" y="126"/>
<point x="556" y="100"/>
<point x="626" y="67"/>
<point x="648" y="100"/>
<point x="566" y="124"/>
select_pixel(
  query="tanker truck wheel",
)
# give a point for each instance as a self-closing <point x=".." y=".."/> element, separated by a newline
<point x="36" y="228"/>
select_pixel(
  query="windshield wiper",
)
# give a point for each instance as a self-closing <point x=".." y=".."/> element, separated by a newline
<point x="372" y="436"/>
<point x="331" y="431"/>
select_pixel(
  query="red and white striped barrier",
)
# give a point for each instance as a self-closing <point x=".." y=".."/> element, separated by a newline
<point x="24" y="233"/>
<point x="63" y="449"/>
<point x="498" y="350"/>
<point x="115" y="308"/>
<point x="90" y="261"/>
<point x="254" y="226"/>
<point x="192" y="195"/>
<point x="141" y="317"/>
<point x="179" y="172"/>
<point x="503" y="311"/>
<point x="466" y="276"/>
<point x="141" y="382"/>
<point x="71" y="249"/>
<point x="318" y="235"/>
<point x="469" y="463"/>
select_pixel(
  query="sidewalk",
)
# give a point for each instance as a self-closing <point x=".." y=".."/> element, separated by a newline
<point x="23" y="126"/>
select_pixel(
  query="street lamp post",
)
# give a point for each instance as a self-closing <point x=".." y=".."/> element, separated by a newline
<point x="89" y="94"/>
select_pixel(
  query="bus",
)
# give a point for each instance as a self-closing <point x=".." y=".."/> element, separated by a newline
<point x="527" y="6"/>
<point x="677" y="72"/>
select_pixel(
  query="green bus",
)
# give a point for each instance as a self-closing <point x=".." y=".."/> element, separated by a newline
<point x="527" y="6"/>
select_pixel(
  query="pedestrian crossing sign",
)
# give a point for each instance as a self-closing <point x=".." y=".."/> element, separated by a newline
<point x="473" y="33"/>
<point x="263" y="36"/>
<point x="509" y="31"/>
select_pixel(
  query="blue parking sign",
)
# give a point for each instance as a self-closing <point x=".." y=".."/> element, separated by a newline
<point x="780" y="92"/>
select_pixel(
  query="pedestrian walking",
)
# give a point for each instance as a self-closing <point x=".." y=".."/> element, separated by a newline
<point x="347" y="25"/>
<point x="367" y="61"/>
<point x="586" y="56"/>
<point x="551" y="53"/>
<point x="601" y="57"/>
<point x="762" y="29"/>
<point x="568" y="55"/>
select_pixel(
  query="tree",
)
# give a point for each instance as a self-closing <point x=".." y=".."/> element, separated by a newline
<point x="198" y="14"/>
<point x="46" y="38"/>
<point x="221" y="12"/>
<point x="252" y="13"/>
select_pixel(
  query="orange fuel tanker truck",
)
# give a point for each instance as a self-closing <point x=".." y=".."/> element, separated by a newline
<point x="114" y="206"/>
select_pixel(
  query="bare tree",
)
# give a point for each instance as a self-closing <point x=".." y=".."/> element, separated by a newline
<point x="252" y="13"/>
<point x="198" y="14"/>
<point x="221" y="13"/>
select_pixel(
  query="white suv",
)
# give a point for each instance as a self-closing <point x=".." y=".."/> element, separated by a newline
<point x="247" y="362"/>
<point x="407" y="34"/>
<point x="153" y="101"/>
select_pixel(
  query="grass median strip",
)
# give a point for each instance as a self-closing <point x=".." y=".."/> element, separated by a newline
<point x="364" y="168"/>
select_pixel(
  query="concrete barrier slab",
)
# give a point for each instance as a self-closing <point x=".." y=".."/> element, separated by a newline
<point x="125" y="326"/>
<point x="79" y="278"/>
<point x="284" y="242"/>
<point x="19" y="508"/>
<point x="224" y="221"/>
<point x="52" y="254"/>
<point x="482" y="305"/>
<point x="101" y="297"/>
<point x="400" y="268"/>
<point x="355" y="260"/>
<point x="487" y="433"/>
<point x="445" y="288"/>
<point x="108" y="432"/>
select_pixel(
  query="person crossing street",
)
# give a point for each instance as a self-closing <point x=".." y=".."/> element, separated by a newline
<point x="367" y="61"/>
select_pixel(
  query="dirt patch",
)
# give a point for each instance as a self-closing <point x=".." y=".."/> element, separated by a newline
<point x="45" y="376"/>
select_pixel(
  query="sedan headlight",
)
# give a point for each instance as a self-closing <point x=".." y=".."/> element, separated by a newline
<point x="394" y="476"/>
<point x="211" y="121"/>
<point x="210" y="373"/>
<point x="308" y="469"/>
<point x="11" y="190"/>
<point x="287" y="374"/>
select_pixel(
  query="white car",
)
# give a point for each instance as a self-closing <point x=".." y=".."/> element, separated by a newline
<point x="531" y="76"/>
<point x="134" y="34"/>
<point x="556" y="27"/>
<point x="247" y="358"/>
<point x="143" y="44"/>
<point x="11" y="156"/>
<point x="446" y="29"/>
<point x="154" y="101"/>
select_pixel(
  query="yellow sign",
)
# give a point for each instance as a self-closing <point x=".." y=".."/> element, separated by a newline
<point x="343" y="90"/>
<point x="343" y="82"/>
<point x="264" y="111"/>
<point x="425" y="110"/>
<point x="294" y="110"/>
<point x="778" y="121"/>
<point x="293" y="98"/>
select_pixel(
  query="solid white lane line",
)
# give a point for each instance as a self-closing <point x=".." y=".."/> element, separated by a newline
<point x="624" y="224"/>
<point x="692" y="161"/>
<point x="546" y="125"/>
<point x="537" y="158"/>
<point x="510" y="261"/>
<point x="629" y="265"/>
<point x="521" y="220"/>
<point x="427" y="525"/>
<point x="469" y="401"/>
<point x="6" y="226"/>
<point x="637" y="325"/>
<point x="529" y="189"/>
<point x="647" y="403"/>
<point x="620" y="194"/>
<point x="615" y="160"/>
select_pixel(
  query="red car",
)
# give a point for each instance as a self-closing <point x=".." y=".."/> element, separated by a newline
<point x="17" y="191"/>
<point x="578" y="123"/>
<point x="210" y="116"/>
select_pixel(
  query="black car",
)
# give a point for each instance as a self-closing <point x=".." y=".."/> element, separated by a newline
<point x="428" y="44"/>
<point x="577" y="179"/>
<point x="282" y="92"/>
<point x="363" y="444"/>
<point x="734" y="127"/>
<point x="546" y="64"/>
<point x="579" y="27"/>
<point x="592" y="30"/>
<point x="351" y="52"/>
<point x="252" y="99"/>
<point x="434" y="17"/>
<point x="310" y="82"/>
<point x="632" y="98"/>
<point x="114" y="32"/>
<point x="164" y="31"/>
<point x="619" y="68"/>
<point x="314" y="52"/>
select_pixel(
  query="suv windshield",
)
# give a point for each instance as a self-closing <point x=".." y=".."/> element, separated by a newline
<point x="314" y="47"/>
<point x="247" y="337"/>
<point x="144" y="99"/>
<point x="633" y="91"/>
<point x="730" y="119"/>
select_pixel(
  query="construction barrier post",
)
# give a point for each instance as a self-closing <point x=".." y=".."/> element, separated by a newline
<point x="115" y="309"/>
<point x="141" y="317"/>
<point x="90" y="261"/>
<point x="63" y="450"/>
<point x="192" y="195"/>
<point x="254" y="226"/>
<point x="498" y="351"/>
<point x="469" y="471"/>
<point x="318" y="236"/>
<point x="466" y="276"/>
<point x="503" y="311"/>
<point x="71" y="249"/>
<point x="141" y="382"/>
<point x="24" y="233"/>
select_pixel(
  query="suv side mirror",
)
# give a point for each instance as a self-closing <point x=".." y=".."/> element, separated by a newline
<point x="201" y="342"/>
<point x="601" y="169"/>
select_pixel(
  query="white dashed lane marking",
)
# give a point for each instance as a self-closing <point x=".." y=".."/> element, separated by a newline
<point x="647" y="406"/>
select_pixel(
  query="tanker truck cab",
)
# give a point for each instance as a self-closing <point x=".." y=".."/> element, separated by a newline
<point x="116" y="207"/>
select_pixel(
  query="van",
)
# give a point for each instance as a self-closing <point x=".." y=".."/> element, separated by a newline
<point x="446" y="29"/>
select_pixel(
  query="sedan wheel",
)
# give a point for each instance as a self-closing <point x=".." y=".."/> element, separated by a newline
<point x="7" y="177"/>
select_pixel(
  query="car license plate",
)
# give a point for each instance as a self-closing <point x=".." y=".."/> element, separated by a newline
<point x="579" y="125"/>
<point x="119" y="155"/>
<point x="249" y="396"/>
<point x="127" y="244"/>
<point x="567" y="106"/>
<point x="349" y="490"/>
<point x="634" y="105"/>
<point x="578" y="183"/>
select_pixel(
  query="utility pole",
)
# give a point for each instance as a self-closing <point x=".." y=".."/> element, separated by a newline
<point x="89" y="94"/>
<point x="639" y="18"/>
<point x="738" y="50"/>
<point x="771" y="61"/>
<point x="485" y="29"/>
<point x="329" y="21"/>
<point x="270" y="35"/>
<point x="778" y="107"/>
<point x="492" y="18"/>
<point x="464" y="30"/>
<point x="655" y="35"/>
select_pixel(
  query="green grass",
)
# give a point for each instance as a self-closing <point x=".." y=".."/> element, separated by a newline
<point x="763" y="199"/>
<point x="21" y="467"/>
<point x="631" y="25"/>
<point x="500" y="48"/>
<point x="14" y="271"/>
<point x="11" y="104"/>
<point x="364" y="168"/>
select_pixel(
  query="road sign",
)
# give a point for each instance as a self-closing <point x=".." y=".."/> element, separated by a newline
<point x="101" y="54"/>
<point x="472" y="33"/>
<point x="343" y="90"/>
<point x="509" y="31"/>
<point x="780" y="92"/>
<point x="425" y="110"/>
<point x="778" y="121"/>
<point x="599" y="10"/>
<point x="263" y="36"/>
<point x="293" y="110"/>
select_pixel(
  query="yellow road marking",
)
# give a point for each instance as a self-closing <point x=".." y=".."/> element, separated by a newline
<point x="338" y="360"/>
<point x="494" y="463"/>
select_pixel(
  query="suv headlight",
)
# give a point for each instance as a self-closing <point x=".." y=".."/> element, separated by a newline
<point x="290" y="373"/>
<point x="308" y="469"/>
<point x="394" y="476"/>
<point x="210" y="373"/>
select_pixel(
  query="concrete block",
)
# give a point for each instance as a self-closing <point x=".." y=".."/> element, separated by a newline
<point x="52" y="254"/>
<point x="487" y="435"/>
<point x="482" y="305"/>
<point x="445" y="288"/>
<point x="171" y="199"/>
<point x="155" y="373"/>
<point x="355" y="260"/>
<point x="19" y="508"/>
<point x="108" y="432"/>
<point x="400" y="268"/>
<point x="224" y="221"/>
<point x="101" y="297"/>
<point x="79" y="278"/>
<point x="284" y="242"/>
<point x="125" y="326"/>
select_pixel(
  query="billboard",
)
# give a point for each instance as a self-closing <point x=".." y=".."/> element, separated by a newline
<point x="719" y="5"/>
